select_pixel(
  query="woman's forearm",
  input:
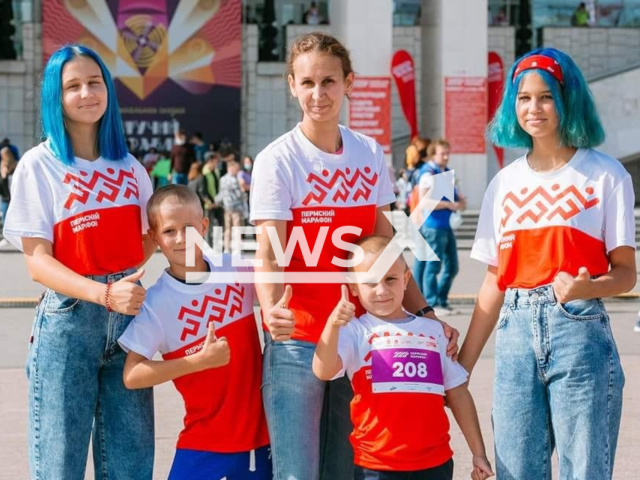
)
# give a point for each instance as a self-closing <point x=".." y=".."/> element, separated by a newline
<point x="464" y="410"/>
<point x="49" y="272"/>
<point x="269" y="293"/>
<point x="483" y="320"/>
<point x="620" y="279"/>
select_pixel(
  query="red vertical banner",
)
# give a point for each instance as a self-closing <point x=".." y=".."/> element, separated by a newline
<point x="403" y="71"/>
<point x="370" y="109"/>
<point x="496" y="84"/>
<point x="465" y="100"/>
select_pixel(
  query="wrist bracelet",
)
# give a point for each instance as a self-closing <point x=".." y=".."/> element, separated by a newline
<point x="107" y="300"/>
<point x="423" y="311"/>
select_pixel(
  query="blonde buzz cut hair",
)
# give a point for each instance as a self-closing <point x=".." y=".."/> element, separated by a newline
<point x="177" y="195"/>
<point x="374" y="244"/>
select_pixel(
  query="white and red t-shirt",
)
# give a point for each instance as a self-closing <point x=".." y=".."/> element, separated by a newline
<point x="93" y="212"/>
<point x="295" y="181"/>
<point x="534" y="225"/>
<point x="399" y="372"/>
<point x="223" y="405"/>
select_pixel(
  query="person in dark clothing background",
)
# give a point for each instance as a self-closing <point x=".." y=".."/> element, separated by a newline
<point x="182" y="156"/>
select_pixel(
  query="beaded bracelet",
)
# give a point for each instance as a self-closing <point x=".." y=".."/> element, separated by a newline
<point x="107" y="299"/>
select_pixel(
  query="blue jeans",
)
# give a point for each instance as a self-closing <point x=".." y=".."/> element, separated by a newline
<point x="443" y="243"/>
<point x="418" y="274"/>
<point x="558" y="384"/>
<point x="293" y="401"/>
<point x="179" y="178"/>
<point x="4" y="206"/>
<point x="74" y="368"/>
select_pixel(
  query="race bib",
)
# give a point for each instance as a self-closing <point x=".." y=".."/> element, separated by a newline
<point x="406" y="364"/>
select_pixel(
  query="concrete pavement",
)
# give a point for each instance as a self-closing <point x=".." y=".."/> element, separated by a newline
<point x="16" y="324"/>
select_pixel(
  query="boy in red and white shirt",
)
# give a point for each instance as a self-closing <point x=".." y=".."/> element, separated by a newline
<point x="207" y="335"/>
<point x="401" y="375"/>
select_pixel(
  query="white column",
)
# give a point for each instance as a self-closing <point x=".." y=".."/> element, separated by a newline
<point x="454" y="45"/>
<point x="365" y="27"/>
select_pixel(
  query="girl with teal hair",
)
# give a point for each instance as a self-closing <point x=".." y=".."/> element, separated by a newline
<point x="78" y="214"/>
<point x="556" y="230"/>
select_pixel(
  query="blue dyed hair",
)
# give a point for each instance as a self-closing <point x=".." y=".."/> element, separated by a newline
<point x="579" y="124"/>
<point x="111" y="140"/>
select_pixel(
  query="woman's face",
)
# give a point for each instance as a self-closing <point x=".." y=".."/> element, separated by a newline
<point x="535" y="107"/>
<point x="319" y="84"/>
<point x="84" y="93"/>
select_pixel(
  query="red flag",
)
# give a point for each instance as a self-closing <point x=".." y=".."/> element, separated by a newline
<point x="496" y="84"/>
<point x="403" y="72"/>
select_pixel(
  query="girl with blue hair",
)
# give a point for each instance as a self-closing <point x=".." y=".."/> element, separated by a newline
<point x="78" y="214"/>
<point x="556" y="229"/>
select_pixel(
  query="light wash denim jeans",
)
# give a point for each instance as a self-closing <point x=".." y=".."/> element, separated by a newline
<point x="307" y="443"/>
<point x="558" y="384"/>
<point x="179" y="178"/>
<point x="74" y="368"/>
<point x="443" y="243"/>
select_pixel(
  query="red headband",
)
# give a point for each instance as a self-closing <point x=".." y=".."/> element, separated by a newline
<point x="542" y="63"/>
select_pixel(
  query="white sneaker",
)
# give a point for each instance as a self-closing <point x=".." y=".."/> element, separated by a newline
<point x="4" y="243"/>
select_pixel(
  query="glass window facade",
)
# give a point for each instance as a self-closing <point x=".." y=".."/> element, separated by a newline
<point x="602" y="13"/>
<point x="406" y="12"/>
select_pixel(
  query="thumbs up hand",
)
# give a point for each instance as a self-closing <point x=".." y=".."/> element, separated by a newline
<point x="567" y="288"/>
<point x="215" y="351"/>
<point x="344" y="310"/>
<point x="279" y="319"/>
<point x="126" y="296"/>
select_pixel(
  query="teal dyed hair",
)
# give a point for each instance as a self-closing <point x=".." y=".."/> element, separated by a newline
<point x="111" y="140"/>
<point x="579" y="124"/>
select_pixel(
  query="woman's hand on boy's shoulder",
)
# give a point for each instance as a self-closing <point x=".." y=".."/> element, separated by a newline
<point x="452" y="335"/>
<point x="344" y="311"/>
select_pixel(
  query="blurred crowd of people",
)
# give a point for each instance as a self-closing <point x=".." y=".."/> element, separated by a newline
<point x="423" y="159"/>
<point x="216" y="172"/>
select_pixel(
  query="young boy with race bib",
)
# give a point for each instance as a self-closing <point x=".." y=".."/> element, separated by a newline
<point x="225" y="431"/>
<point x="401" y="376"/>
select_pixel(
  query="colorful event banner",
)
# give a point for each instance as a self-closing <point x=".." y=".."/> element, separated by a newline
<point x="176" y="62"/>
<point x="465" y="113"/>
<point x="403" y="71"/>
<point x="496" y="84"/>
<point x="370" y="109"/>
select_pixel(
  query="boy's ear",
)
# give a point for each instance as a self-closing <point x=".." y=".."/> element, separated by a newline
<point x="205" y="225"/>
<point x="353" y="290"/>
<point x="152" y="235"/>
<point x="407" y="276"/>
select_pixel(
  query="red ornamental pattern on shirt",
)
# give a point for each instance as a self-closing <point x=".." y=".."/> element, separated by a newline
<point x="224" y="305"/>
<point x="107" y="187"/>
<point x="350" y="184"/>
<point x="542" y="205"/>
